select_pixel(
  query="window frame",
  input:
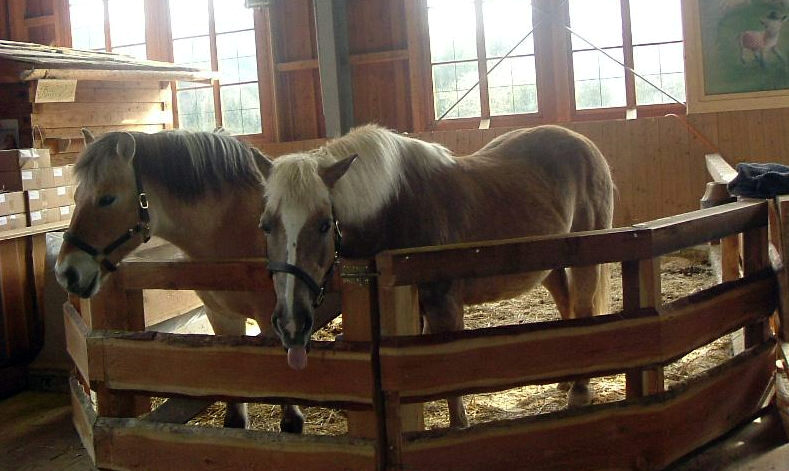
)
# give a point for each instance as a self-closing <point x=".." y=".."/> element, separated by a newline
<point x="555" y="80"/>
<point x="108" y="29"/>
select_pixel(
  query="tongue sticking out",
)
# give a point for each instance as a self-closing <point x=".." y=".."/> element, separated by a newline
<point x="297" y="358"/>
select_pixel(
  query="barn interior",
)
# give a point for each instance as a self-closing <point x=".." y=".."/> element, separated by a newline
<point x="674" y="94"/>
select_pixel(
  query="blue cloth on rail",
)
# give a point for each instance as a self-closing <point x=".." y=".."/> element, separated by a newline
<point x="755" y="180"/>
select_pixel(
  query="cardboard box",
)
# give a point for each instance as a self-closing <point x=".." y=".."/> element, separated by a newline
<point x="19" y="159"/>
<point x="50" y="215"/>
<point x="49" y="197"/>
<point x="12" y="203"/>
<point x="12" y="221"/>
<point x="37" y="178"/>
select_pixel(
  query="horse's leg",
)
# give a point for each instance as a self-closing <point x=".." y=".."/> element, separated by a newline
<point x="292" y="420"/>
<point x="236" y="412"/>
<point x="588" y="294"/>
<point x="558" y="286"/>
<point x="442" y="307"/>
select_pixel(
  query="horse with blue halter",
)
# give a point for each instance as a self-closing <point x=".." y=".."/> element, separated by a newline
<point x="381" y="190"/>
<point x="200" y="191"/>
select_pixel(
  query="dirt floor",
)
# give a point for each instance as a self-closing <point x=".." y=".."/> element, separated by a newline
<point x="681" y="274"/>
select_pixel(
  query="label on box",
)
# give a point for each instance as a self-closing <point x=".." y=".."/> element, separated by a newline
<point x="33" y="195"/>
<point x="55" y="91"/>
<point x="27" y="175"/>
<point x="2" y="198"/>
<point x="57" y="172"/>
<point x="61" y="190"/>
<point x="64" y="210"/>
<point x="3" y="221"/>
<point x="35" y="216"/>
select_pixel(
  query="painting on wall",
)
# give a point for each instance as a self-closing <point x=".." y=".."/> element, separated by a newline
<point x="736" y="54"/>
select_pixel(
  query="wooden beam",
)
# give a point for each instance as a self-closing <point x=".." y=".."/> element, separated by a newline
<point x="622" y="435"/>
<point x="77" y="333"/>
<point x="223" y="366"/>
<point x="117" y="75"/>
<point x="719" y="169"/>
<point x="168" y="447"/>
<point x="427" y="367"/>
<point x="354" y="59"/>
<point x="84" y="416"/>
<point x="219" y="275"/>
<point x="331" y="20"/>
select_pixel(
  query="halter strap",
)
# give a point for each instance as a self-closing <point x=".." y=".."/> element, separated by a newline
<point x="318" y="290"/>
<point x="142" y="227"/>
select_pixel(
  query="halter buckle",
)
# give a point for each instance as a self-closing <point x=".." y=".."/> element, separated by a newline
<point x="319" y="298"/>
<point x="143" y="198"/>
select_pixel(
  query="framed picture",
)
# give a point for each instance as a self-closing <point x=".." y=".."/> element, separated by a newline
<point x="736" y="54"/>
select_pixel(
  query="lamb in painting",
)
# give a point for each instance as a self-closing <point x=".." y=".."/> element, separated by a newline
<point x="199" y="191"/>
<point x="388" y="191"/>
<point x="766" y="40"/>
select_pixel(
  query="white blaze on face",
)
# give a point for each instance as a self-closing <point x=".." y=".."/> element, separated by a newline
<point x="293" y="220"/>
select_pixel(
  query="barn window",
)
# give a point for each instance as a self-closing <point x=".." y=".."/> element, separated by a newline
<point x="469" y="38"/>
<point x="223" y="40"/>
<point x="109" y="25"/>
<point x="642" y="34"/>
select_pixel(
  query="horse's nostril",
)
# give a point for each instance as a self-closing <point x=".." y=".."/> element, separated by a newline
<point x="71" y="276"/>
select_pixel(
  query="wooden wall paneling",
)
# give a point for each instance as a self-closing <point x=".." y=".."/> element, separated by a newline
<point x="377" y="92"/>
<point x="16" y="301"/>
<point x="267" y="74"/>
<point x="774" y="135"/>
<point x="5" y="27"/>
<point x="677" y="193"/>
<point x="755" y="130"/>
<point x="621" y="163"/>
<point x="420" y="84"/>
<point x="782" y="131"/>
<point x="16" y="20"/>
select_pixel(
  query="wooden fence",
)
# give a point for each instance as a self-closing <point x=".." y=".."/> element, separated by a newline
<point x="381" y="376"/>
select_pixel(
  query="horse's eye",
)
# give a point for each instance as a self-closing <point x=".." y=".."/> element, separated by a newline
<point x="265" y="227"/>
<point x="106" y="200"/>
<point x="325" y="225"/>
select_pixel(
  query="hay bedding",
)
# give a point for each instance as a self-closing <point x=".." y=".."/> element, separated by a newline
<point x="681" y="274"/>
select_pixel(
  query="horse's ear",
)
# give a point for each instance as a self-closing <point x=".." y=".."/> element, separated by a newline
<point x="88" y="136"/>
<point x="335" y="171"/>
<point x="264" y="163"/>
<point x="125" y="146"/>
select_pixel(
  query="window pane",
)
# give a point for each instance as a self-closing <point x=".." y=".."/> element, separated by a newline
<point x="453" y="27"/>
<point x="188" y="18"/>
<point x="450" y="82"/>
<point x="138" y="51"/>
<point x="236" y="55"/>
<point x="127" y="22"/>
<point x="598" y="21"/>
<point x="231" y="15"/>
<point x="87" y="24"/>
<point x="506" y="23"/>
<point x="599" y="81"/>
<point x="241" y="109"/>
<point x="196" y="109"/>
<point x="652" y="21"/>
<point x="512" y="86"/>
<point x="192" y="52"/>
<point x="662" y="65"/>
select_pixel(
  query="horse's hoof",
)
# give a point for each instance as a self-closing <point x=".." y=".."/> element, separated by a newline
<point x="292" y="424"/>
<point x="564" y="386"/>
<point x="579" y="395"/>
<point x="236" y="421"/>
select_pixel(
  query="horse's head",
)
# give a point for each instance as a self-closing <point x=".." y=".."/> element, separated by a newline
<point x="302" y="239"/>
<point x="110" y="218"/>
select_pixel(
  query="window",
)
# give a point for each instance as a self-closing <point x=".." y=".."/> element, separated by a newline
<point x="223" y="40"/>
<point x="468" y="39"/>
<point x="644" y="35"/>
<point x="109" y="25"/>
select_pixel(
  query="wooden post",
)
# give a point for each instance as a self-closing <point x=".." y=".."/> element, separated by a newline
<point x="782" y="206"/>
<point x="755" y="258"/>
<point x="113" y="308"/>
<point x="641" y="290"/>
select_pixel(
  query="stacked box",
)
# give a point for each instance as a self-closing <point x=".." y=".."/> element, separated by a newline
<point x="48" y="191"/>
<point x="12" y="211"/>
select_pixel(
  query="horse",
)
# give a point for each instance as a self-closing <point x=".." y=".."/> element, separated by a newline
<point x="198" y="190"/>
<point x="381" y="190"/>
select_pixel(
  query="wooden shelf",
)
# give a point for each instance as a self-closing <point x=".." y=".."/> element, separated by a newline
<point x="28" y="231"/>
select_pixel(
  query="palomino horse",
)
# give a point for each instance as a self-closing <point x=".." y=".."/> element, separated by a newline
<point x="387" y="191"/>
<point x="199" y="191"/>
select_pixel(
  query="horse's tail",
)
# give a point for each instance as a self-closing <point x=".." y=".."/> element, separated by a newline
<point x="601" y="304"/>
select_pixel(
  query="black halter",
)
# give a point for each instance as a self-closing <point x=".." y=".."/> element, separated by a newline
<point x="142" y="227"/>
<point x="318" y="290"/>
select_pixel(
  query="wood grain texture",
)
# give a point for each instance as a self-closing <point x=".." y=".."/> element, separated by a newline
<point x="648" y="433"/>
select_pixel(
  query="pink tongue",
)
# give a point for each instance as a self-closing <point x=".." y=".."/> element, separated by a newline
<point x="297" y="358"/>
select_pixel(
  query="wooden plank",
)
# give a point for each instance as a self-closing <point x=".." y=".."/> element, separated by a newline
<point x="116" y="75"/>
<point x="77" y="333"/>
<point x="782" y="203"/>
<point x="697" y="413"/>
<point x="84" y="416"/>
<point x="719" y="169"/>
<point x="224" y="366"/>
<point x="29" y="231"/>
<point x="76" y="132"/>
<point x="121" y="95"/>
<point x="521" y="255"/>
<point x="168" y="447"/>
<point x="426" y="367"/>
<point x="218" y="275"/>
<point x="355" y="59"/>
<point x="131" y="114"/>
